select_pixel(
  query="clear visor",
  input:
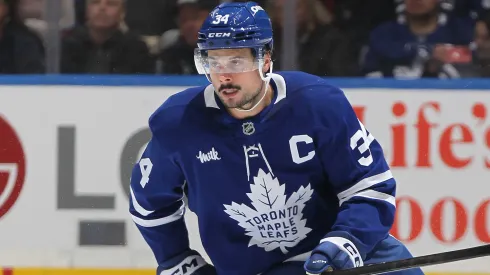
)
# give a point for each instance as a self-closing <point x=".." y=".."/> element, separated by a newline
<point x="224" y="64"/>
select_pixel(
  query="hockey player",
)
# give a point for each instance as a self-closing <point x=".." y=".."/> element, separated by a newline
<point x="283" y="177"/>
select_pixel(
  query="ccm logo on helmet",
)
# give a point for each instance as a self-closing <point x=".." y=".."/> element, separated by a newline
<point x="219" y="34"/>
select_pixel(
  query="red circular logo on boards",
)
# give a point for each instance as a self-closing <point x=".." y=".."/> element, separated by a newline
<point x="12" y="166"/>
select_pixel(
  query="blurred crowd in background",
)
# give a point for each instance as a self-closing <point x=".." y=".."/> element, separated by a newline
<point x="332" y="38"/>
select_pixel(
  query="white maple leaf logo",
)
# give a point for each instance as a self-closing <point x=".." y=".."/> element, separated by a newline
<point x="275" y="222"/>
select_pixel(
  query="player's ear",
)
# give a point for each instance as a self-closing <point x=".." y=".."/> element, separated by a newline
<point x="267" y="62"/>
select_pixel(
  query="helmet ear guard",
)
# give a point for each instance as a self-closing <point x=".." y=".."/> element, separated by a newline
<point x="199" y="61"/>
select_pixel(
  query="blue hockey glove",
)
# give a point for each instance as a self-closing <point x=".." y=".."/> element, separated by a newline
<point x="189" y="263"/>
<point x="333" y="253"/>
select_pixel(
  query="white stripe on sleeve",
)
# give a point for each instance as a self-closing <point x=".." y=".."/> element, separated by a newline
<point x="372" y="194"/>
<point x="161" y="221"/>
<point x="140" y="209"/>
<point x="359" y="189"/>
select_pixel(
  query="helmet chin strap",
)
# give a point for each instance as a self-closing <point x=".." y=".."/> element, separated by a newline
<point x="265" y="80"/>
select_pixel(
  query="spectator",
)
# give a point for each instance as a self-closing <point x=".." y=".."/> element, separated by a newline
<point x="359" y="17"/>
<point x="178" y="57"/>
<point x="419" y="46"/>
<point x="459" y="8"/>
<point x="21" y="50"/>
<point x="355" y="19"/>
<point x="321" y="49"/>
<point x="482" y="47"/>
<point x="151" y="17"/>
<point x="33" y="14"/>
<point x="101" y="47"/>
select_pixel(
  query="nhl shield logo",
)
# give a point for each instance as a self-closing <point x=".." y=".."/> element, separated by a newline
<point x="248" y="128"/>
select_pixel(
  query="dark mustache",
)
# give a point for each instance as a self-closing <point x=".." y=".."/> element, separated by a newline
<point x="228" y="86"/>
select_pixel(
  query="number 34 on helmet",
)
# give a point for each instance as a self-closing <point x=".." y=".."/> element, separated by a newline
<point x="234" y="26"/>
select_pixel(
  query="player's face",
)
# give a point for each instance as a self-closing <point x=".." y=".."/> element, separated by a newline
<point x="236" y="89"/>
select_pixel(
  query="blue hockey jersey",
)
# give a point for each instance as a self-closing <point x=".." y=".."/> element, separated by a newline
<point x="267" y="188"/>
<point x="394" y="51"/>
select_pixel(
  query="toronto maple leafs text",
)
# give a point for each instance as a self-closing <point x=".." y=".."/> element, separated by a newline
<point x="275" y="221"/>
<point x="276" y="224"/>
